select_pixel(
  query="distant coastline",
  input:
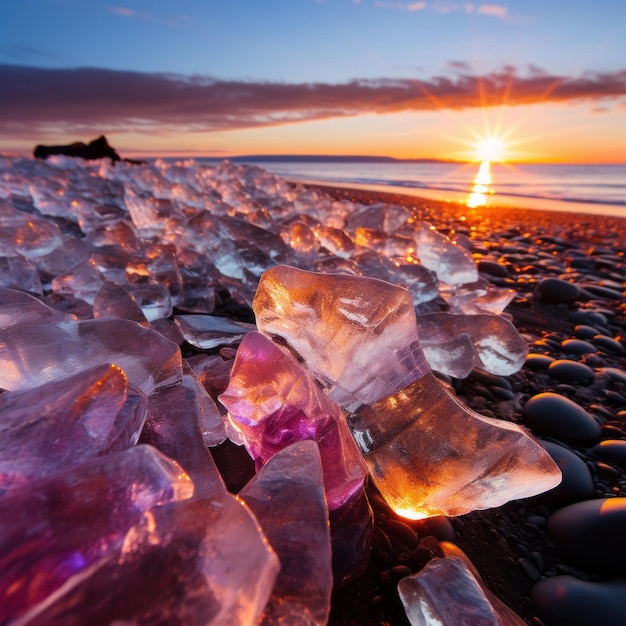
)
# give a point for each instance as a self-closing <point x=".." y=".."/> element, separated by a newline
<point x="321" y="158"/>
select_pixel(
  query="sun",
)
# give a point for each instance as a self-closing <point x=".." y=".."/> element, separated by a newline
<point x="490" y="149"/>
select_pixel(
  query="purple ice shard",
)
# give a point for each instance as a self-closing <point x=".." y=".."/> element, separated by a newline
<point x="456" y="344"/>
<point x="60" y="526"/>
<point x="200" y="561"/>
<point x="449" y="592"/>
<point x="427" y="452"/>
<point x="66" y="422"/>
<point x="287" y="498"/>
<point x="272" y="402"/>
<point x="33" y="355"/>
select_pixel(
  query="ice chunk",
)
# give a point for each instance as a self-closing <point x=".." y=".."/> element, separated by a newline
<point x="147" y="212"/>
<point x="386" y="217"/>
<point x="33" y="355"/>
<point x="83" y="280"/>
<point x="477" y="298"/>
<point x="272" y="402"/>
<point x="287" y="498"/>
<point x="157" y="266"/>
<point x="449" y="592"/>
<point x="427" y="453"/>
<point x="154" y="301"/>
<point x="177" y="417"/>
<point x="357" y="335"/>
<point x="17" y="307"/>
<point x="210" y="331"/>
<point x="200" y="561"/>
<point x="67" y="422"/>
<point x="430" y="455"/>
<point x="18" y="272"/>
<point x="456" y="344"/>
<point x="26" y="234"/>
<point x="58" y="527"/>
<point x="452" y="263"/>
<point x="114" y="302"/>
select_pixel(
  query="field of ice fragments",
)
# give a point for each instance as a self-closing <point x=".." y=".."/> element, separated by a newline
<point x="124" y="292"/>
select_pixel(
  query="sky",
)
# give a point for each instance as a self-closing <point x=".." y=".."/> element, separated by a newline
<point x="414" y="79"/>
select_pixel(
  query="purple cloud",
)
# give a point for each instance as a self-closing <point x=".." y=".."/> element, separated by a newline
<point x="36" y="100"/>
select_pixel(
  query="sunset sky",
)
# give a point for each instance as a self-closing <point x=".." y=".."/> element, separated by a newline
<point x="366" y="77"/>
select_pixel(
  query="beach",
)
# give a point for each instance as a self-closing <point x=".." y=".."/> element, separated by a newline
<point x="567" y="272"/>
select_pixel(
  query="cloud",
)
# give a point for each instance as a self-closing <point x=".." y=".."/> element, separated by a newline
<point x="494" y="10"/>
<point x="456" y="66"/>
<point x="127" y="12"/>
<point x="402" y="6"/>
<point x="443" y="7"/>
<point x="38" y="100"/>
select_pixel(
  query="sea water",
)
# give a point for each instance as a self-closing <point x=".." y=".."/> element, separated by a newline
<point x="599" y="189"/>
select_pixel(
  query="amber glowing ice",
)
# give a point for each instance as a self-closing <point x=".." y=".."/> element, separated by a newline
<point x="427" y="453"/>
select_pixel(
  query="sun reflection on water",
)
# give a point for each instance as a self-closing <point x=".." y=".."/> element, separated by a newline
<point x="481" y="187"/>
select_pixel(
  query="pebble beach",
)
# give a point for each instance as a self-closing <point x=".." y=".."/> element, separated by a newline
<point x="558" y="559"/>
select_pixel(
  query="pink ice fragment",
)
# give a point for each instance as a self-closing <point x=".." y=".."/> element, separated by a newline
<point x="272" y="402"/>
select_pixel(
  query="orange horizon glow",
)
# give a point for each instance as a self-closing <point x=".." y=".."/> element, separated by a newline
<point x="541" y="134"/>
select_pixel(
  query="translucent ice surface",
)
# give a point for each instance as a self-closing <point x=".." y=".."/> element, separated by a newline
<point x="427" y="453"/>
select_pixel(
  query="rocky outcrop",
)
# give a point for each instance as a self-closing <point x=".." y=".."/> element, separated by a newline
<point x="97" y="149"/>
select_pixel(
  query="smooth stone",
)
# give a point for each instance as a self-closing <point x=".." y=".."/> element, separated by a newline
<point x="608" y="344"/>
<point x="577" y="346"/>
<point x="557" y="290"/>
<point x="582" y="331"/>
<point x="577" y="483"/>
<point x="568" y="371"/>
<point x="568" y="601"/>
<point x="614" y="374"/>
<point x="612" y="450"/>
<point x="552" y="414"/>
<point x="537" y="361"/>
<point x="607" y="293"/>
<point x="583" y="263"/>
<point x="493" y="269"/>
<point x="590" y="318"/>
<point x="590" y="535"/>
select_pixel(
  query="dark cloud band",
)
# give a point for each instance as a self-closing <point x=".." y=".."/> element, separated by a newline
<point x="88" y="99"/>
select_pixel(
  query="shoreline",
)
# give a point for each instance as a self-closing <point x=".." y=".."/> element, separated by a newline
<point x="590" y="227"/>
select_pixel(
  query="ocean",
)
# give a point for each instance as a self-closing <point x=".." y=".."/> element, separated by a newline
<point x="598" y="189"/>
